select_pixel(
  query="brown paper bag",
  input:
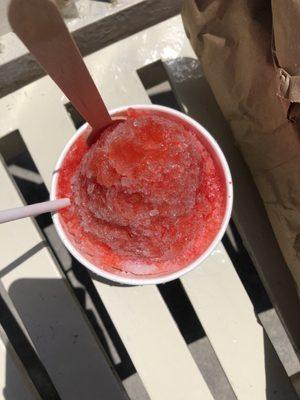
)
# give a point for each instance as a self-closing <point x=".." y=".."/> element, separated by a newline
<point x="250" y="54"/>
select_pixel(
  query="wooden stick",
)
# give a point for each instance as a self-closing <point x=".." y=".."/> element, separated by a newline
<point x="39" y="25"/>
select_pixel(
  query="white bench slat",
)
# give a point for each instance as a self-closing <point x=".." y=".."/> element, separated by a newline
<point x="228" y="318"/>
<point x="154" y="343"/>
<point x="98" y="26"/>
<point x="14" y="381"/>
<point x="14" y="248"/>
<point x="52" y="317"/>
<point x="162" y="360"/>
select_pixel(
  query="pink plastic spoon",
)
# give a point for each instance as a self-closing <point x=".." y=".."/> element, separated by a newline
<point x="32" y="210"/>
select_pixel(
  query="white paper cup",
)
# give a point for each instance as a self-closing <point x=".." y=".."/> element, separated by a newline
<point x="123" y="279"/>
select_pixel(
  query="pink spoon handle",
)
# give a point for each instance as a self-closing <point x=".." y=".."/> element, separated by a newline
<point x="32" y="210"/>
<point x="41" y="28"/>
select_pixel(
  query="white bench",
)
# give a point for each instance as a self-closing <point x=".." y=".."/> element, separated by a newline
<point x="43" y="299"/>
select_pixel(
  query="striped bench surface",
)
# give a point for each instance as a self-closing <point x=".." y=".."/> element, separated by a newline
<point x="40" y="294"/>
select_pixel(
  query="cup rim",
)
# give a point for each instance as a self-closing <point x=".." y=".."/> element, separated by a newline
<point x="121" y="279"/>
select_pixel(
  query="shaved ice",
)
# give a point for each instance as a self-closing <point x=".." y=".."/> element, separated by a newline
<point x="147" y="198"/>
